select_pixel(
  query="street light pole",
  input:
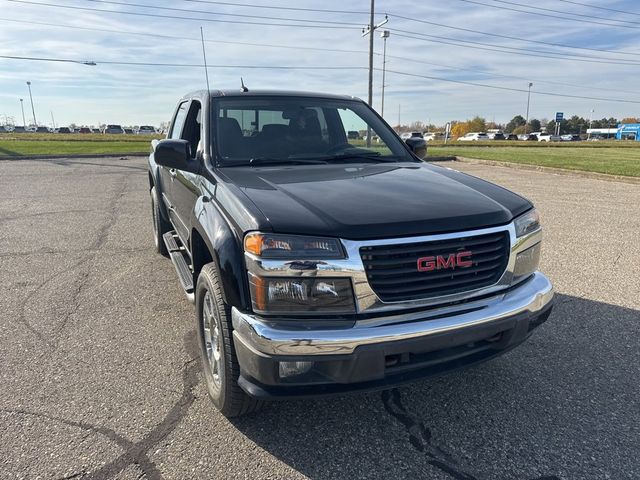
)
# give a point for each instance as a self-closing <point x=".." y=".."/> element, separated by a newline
<point x="24" y="123"/>
<point x="385" y="34"/>
<point x="32" y="109"/>
<point x="526" y="123"/>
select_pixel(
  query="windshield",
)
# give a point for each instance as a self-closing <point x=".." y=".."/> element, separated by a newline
<point x="258" y="130"/>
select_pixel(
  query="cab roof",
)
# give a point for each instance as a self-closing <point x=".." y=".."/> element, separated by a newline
<point x="267" y="93"/>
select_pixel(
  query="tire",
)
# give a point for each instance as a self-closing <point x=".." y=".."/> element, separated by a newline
<point x="215" y="338"/>
<point x="160" y="225"/>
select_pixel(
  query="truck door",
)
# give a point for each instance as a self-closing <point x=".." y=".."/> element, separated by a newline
<point x="168" y="175"/>
<point x="186" y="185"/>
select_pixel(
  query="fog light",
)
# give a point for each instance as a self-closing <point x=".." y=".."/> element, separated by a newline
<point x="291" y="369"/>
<point x="527" y="262"/>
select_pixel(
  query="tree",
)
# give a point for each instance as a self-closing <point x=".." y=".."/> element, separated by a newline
<point x="515" y="122"/>
<point x="460" y="129"/>
<point x="534" y="125"/>
<point x="477" y="124"/>
<point x="630" y="120"/>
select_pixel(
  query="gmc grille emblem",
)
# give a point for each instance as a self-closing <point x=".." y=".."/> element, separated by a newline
<point x="438" y="262"/>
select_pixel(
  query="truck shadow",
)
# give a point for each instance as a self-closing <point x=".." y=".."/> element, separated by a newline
<point x="550" y="409"/>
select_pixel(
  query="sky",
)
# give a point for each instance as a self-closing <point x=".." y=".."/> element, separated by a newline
<point x="435" y="73"/>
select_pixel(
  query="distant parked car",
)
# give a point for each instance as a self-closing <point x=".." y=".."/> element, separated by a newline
<point x="547" y="137"/>
<point x="474" y="137"/>
<point x="149" y="130"/>
<point x="531" y="137"/>
<point x="65" y="130"/>
<point x="428" y="136"/>
<point x="511" y="136"/>
<point x="31" y="129"/>
<point x="113" y="129"/>
<point x="84" y="130"/>
<point x="128" y="131"/>
<point x="7" y="128"/>
<point x="95" y="130"/>
<point x="353" y="135"/>
<point x="495" y="135"/>
<point x="42" y="130"/>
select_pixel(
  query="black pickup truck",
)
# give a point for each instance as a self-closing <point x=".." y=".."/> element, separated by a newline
<point x="321" y="263"/>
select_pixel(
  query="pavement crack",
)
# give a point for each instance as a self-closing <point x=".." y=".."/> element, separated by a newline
<point x="138" y="452"/>
<point x="421" y="439"/>
<point x="81" y="282"/>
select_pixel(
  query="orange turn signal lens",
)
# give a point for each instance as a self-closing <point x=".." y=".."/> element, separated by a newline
<point x="253" y="243"/>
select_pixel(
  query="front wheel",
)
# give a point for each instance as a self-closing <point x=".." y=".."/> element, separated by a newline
<point x="215" y="338"/>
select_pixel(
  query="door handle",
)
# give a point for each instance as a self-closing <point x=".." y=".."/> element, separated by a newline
<point x="173" y="173"/>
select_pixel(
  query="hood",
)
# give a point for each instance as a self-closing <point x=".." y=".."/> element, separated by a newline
<point x="368" y="201"/>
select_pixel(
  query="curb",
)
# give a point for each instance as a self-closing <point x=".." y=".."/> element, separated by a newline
<point x="81" y="155"/>
<point x="449" y="158"/>
<point x="558" y="171"/>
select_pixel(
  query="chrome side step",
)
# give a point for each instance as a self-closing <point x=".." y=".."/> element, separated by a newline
<point x="180" y="260"/>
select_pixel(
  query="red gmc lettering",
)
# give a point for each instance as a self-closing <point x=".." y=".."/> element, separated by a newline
<point x="426" y="264"/>
<point x="463" y="259"/>
<point x="453" y="260"/>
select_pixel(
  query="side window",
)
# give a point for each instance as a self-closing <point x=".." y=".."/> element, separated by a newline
<point x="178" y="122"/>
<point x="192" y="128"/>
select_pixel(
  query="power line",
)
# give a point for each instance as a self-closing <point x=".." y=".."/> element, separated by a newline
<point x="174" y="37"/>
<point x="509" y="37"/>
<point x="497" y="75"/>
<point x="128" y="4"/>
<point x="512" y="50"/>
<point x="599" y="7"/>
<point x="548" y="15"/>
<point x="296" y="67"/>
<point x="274" y="7"/>
<point x="194" y="65"/>
<point x="475" y="84"/>
<point x="299" y="47"/>
<point x="173" y="17"/>
<point x="567" y="13"/>
<point x="326" y="24"/>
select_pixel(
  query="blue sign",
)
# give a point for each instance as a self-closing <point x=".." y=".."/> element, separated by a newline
<point x="559" y="117"/>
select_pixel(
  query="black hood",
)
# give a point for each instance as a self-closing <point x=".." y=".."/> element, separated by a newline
<point x="367" y="201"/>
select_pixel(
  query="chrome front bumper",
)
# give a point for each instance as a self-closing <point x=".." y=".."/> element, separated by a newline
<point x="530" y="297"/>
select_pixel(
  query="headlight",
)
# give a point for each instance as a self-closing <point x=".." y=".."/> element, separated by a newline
<point x="301" y="295"/>
<point x="268" y="245"/>
<point x="527" y="223"/>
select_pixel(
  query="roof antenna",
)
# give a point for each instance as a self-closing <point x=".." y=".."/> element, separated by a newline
<point x="204" y="55"/>
<point x="242" y="87"/>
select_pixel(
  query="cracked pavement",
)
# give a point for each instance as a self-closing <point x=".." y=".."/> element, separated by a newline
<point x="100" y="378"/>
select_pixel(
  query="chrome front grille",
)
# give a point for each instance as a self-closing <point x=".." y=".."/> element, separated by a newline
<point x="392" y="269"/>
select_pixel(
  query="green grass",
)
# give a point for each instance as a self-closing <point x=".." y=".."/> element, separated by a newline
<point x="600" y="157"/>
<point x="23" y="144"/>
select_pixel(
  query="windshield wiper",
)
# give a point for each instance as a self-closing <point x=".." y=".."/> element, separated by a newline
<point x="371" y="156"/>
<point x="285" y="161"/>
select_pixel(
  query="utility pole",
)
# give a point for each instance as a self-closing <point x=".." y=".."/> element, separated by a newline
<point x="369" y="30"/>
<point x="53" y="120"/>
<point x="526" y="123"/>
<point x="24" y="123"/>
<point x="385" y="34"/>
<point x="32" y="109"/>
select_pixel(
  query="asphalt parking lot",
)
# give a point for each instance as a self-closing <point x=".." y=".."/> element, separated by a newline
<point x="99" y="373"/>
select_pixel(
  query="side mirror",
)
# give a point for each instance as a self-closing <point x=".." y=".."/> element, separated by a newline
<point x="176" y="154"/>
<point x="418" y="146"/>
